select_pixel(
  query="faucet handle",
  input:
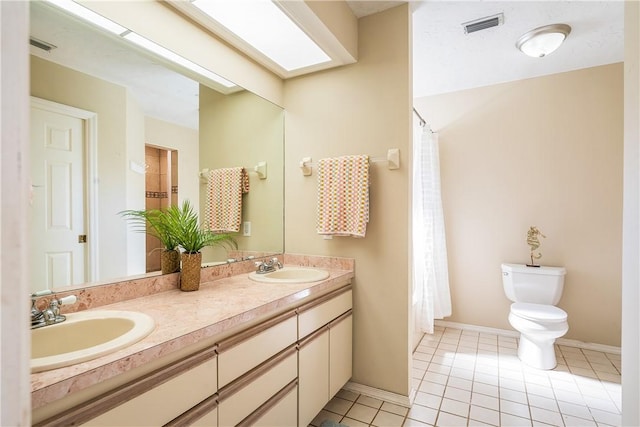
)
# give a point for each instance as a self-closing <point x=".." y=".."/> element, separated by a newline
<point x="41" y="293"/>
<point x="69" y="299"/>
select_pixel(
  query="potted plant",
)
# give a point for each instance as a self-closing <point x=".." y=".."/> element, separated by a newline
<point x="155" y="222"/>
<point x="192" y="238"/>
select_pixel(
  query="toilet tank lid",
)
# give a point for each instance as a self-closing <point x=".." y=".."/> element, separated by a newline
<point x="522" y="268"/>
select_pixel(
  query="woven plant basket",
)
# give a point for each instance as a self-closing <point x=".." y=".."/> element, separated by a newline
<point x="190" y="274"/>
<point x="170" y="261"/>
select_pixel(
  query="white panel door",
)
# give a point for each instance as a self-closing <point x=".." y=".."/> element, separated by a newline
<point x="58" y="254"/>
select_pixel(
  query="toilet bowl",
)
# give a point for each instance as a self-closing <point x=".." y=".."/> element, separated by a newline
<point x="534" y="292"/>
<point x="539" y="326"/>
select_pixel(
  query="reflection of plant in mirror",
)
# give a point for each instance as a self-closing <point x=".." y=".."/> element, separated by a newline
<point x="155" y="222"/>
<point x="534" y="243"/>
<point x="183" y="223"/>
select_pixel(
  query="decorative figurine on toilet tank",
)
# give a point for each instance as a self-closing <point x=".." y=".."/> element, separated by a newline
<point x="534" y="243"/>
<point x="535" y="290"/>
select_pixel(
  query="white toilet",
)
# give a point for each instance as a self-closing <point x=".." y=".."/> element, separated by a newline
<point x="535" y="291"/>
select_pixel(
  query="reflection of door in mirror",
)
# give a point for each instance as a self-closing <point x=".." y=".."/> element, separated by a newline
<point x="59" y="145"/>
<point x="161" y="191"/>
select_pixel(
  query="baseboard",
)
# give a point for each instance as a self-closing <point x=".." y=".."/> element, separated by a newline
<point x="509" y="333"/>
<point x="377" y="393"/>
<point x="474" y="328"/>
<point x="589" y="346"/>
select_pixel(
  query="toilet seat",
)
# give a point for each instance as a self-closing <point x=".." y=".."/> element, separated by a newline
<point x="538" y="312"/>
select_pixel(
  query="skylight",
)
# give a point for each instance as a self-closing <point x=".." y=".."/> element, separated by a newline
<point x="263" y="25"/>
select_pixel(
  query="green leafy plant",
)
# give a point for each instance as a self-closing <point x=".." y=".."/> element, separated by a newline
<point x="183" y="221"/>
<point x="154" y="222"/>
<point x="177" y="226"/>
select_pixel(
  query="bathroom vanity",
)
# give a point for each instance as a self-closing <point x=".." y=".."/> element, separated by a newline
<point x="236" y="352"/>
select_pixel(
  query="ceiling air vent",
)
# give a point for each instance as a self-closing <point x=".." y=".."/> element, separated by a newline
<point x="41" y="44"/>
<point x="483" y="23"/>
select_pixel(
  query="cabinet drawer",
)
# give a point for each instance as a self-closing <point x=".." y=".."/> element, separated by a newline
<point x="241" y="398"/>
<point x="209" y="420"/>
<point x="241" y="354"/>
<point x="282" y="414"/>
<point x="319" y="315"/>
<point x="168" y="399"/>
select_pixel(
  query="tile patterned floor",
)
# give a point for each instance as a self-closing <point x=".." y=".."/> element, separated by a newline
<point x="476" y="379"/>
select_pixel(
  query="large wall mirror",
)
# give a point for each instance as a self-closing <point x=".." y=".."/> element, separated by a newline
<point x="114" y="128"/>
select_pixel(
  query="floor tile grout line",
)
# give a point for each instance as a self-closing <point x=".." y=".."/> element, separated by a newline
<point x="471" y="348"/>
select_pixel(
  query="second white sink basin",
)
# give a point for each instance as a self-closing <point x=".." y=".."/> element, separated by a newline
<point x="86" y="335"/>
<point x="291" y="275"/>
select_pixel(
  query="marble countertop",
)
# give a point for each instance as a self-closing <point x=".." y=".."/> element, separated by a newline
<point x="183" y="319"/>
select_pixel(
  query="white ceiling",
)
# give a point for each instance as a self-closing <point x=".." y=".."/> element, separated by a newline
<point x="444" y="58"/>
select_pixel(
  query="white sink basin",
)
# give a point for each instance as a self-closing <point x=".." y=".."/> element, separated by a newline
<point x="291" y="275"/>
<point x="86" y="335"/>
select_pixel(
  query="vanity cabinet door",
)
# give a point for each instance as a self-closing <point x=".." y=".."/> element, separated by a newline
<point x="313" y="376"/>
<point x="164" y="402"/>
<point x="340" y="353"/>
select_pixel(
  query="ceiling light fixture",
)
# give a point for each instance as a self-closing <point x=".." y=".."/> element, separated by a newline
<point x="89" y="15"/>
<point x="542" y="41"/>
<point x="149" y="46"/>
<point x="268" y="29"/>
<point x="175" y="58"/>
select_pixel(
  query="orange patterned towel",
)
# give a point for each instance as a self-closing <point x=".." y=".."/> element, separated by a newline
<point x="343" y="196"/>
<point x="224" y="198"/>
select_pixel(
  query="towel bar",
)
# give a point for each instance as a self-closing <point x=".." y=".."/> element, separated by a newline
<point x="260" y="169"/>
<point x="392" y="159"/>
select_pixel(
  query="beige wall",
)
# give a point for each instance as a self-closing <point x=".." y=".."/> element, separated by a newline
<point x="545" y="152"/>
<point x="243" y="129"/>
<point x="363" y="108"/>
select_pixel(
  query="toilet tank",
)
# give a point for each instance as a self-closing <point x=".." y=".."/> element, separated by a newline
<point x="538" y="285"/>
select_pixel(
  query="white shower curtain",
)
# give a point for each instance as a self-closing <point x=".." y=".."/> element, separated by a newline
<point x="431" y="296"/>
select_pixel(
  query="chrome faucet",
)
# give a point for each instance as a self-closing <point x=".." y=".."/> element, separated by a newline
<point x="263" y="267"/>
<point x="50" y="315"/>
